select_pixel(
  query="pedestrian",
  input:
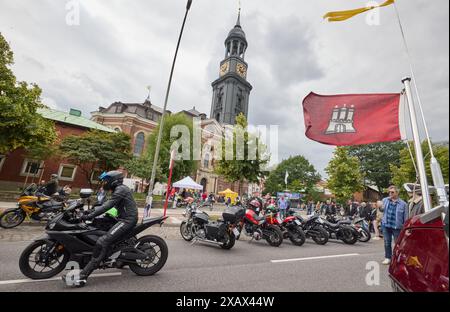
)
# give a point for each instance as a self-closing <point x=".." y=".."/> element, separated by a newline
<point x="228" y="201"/>
<point x="282" y="205"/>
<point x="395" y="214"/>
<point x="377" y="220"/>
<point x="310" y="207"/>
<point x="354" y="210"/>
<point x="204" y="196"/>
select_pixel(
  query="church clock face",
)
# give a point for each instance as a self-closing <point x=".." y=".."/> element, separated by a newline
<point x="224" y="68"/>
<point x="241" y="70"/>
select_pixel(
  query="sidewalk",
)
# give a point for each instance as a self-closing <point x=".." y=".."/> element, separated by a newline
<point x="175" y="215"/>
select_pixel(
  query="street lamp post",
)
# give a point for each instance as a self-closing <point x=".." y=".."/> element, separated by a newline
<point x="149" y="200"/>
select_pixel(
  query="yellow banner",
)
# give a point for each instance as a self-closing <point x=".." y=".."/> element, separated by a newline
<point x="339" y="16"/>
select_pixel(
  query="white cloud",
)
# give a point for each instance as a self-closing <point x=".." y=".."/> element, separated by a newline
<point x="120" y="47"/>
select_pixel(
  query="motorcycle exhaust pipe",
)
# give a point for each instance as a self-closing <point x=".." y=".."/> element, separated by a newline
<point x="132" y="256"/>
<point x="209" y="241"/>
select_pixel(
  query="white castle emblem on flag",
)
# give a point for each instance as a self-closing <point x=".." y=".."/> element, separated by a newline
<point x="342" y="120"/>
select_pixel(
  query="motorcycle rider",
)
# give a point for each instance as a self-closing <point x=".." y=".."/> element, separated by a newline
<point x="51" y="187"/>
<point x="123" y="201"/>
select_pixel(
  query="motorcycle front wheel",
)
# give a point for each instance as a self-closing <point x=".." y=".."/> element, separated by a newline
<point x="157" y="251"/>
<point x="11" y="218"/>
<point x="364" y="236"/>
<point x="42" y="260"/>
<point x="185" y="231"/>
<point x="273" y="236"/>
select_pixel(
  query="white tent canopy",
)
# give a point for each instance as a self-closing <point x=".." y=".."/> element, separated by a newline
<point x="188" y="183"/>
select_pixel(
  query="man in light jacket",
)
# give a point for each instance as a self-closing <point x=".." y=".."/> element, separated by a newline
<point x="395" y="215"/>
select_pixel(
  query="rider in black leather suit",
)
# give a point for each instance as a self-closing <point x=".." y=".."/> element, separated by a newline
<point x="123" y="201"/>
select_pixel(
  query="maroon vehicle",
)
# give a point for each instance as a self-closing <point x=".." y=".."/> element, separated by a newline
<point x="420" y="258"/>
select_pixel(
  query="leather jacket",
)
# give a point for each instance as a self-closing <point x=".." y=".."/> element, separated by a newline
<point x="121" y="199"/>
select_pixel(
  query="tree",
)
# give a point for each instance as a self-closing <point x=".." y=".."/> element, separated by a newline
<point x="344" y="175"/>
<point x="302" y="175"/>
<point x="96" y="150"/>
<point x="183" y="167"/>
<point x="405" y="172"/>
<point x="243" y="168"/>
<point x="375" y="161"/>
<point x="20" y="124"/>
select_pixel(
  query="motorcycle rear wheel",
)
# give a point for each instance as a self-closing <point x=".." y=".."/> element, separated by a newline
<point x="11" y="218"/>
<point x="230" y="241"/>
<point x="322" y="237"/>
<point x="297" y="236"/>
<point x="30" y="259"/>
<point x="349" y="237"/>
<point x="156" y="248"/>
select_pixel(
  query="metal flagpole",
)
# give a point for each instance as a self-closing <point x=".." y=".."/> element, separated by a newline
<point x="149" y="199"/>
<point x="411" y="67"/>
<point x="436" y="171"/>
<point x="418" y="146"/>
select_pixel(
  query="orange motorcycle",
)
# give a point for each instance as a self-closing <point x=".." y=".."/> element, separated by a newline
<point x="32" y="204"/>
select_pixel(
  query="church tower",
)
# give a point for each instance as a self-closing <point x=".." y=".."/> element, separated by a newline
<point x="231" y="90"/>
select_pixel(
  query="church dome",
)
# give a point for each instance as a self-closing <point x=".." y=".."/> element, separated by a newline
<point x="237" y="32"/>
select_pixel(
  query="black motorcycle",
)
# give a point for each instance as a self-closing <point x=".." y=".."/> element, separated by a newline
<point x="68" y="239"/>
<point x="313" y="228"/>
<point x="341" y="230"/>
<point x="198" y="227"/>
<point x="359" y="225"/>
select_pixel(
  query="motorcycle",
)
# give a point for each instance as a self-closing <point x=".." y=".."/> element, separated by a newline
<point x="33" y="204"/>
<point x="341" y="231"/>
<point x="198" y="227"/>
<point x="312" y="227"/>
<point x="360" y="225"/>
<point x="69" y="239"/>
<point x="290" y="226"/>
<point x="258" y="228"/>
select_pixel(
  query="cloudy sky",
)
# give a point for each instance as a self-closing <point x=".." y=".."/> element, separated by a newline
<point x="120" y="47"/>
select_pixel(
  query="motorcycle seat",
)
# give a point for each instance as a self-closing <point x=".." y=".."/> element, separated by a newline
<point x="332" y="225"/>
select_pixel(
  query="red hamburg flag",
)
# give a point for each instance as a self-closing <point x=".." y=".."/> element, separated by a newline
<point x="353" y="119"/>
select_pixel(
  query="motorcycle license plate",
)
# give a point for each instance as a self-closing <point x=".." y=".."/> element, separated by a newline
<point x="297" y="222"/>
<point x="236" y="232"/>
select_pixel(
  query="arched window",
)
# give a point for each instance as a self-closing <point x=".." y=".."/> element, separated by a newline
<point x="139" y="144"/>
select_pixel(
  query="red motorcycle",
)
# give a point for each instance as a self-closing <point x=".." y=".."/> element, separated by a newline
<point x="290" y="226"/>
<point x="258" y="228"/>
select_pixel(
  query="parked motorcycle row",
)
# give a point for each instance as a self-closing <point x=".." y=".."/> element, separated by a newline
<point x="267" y="224"/>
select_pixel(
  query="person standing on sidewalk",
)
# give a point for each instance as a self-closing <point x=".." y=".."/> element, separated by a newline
<point x="282" y="205"/>
<point x="377" y="221"/>
<point x="395" y="215"/>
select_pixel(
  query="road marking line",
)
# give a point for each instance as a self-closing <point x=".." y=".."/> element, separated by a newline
<point x="22" y="281"/>
<point x="175" y="220"/>
<point x="315" y="258"/>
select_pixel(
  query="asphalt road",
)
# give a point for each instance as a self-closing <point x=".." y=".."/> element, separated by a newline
<point x="249" y="266"/>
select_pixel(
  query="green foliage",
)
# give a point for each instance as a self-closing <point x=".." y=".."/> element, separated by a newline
<point x="376" y="160"/>
<point x="96" y="150"/>
<point x="302" y="175"/>
<point x="405" y="172"/>
<point x="139" y="167"/>
<point x="344" y="175"/>
<point x="238" y="169"/>
<point x="182" y="168"/>
<point x="20" y="124"/>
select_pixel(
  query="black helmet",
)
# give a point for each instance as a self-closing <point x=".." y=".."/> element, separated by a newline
<point x="111" y="179"/>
